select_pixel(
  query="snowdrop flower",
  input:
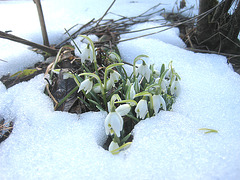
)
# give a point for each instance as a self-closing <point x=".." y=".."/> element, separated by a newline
<point x="97" y="88"/>
<point x="141" y="109"/>
<point x="110" y="84"/>
<point x="86" y="54"/>
<point x="175" y="88"/>
<point x="170" y="74"/>
<point x="123" y="109"/>
<point x="113" y="145"/>
<point x="132" y="92"/>
<point x="158" y="102"/>
<point x="113" y="123"/>
<point x="144" y="71"/>
<point x="164" y="84"/>
<point x="115" y="76"/>
<point x="128" y="83"/>
<point x="156" y="73"/>
<point x="86" y="85"/>
<point x="113" y="57"/>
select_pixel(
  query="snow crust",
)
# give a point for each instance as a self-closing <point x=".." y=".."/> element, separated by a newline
<point x="46" y="144"/>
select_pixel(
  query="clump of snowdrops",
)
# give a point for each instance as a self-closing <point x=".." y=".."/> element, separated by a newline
<point x="127" y="98"/>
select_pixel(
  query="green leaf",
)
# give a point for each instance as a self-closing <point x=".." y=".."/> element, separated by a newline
<point x="24" y="73"/>
<point x="66" y="97"/>
<point x="126" y="138"/>
<point x="208" y="130"/>
<point x="126" y="101"/>
<point x="115" y="92"/>
<point x="162" y="69"/>
<point x="144" y="93"/>
<point x="121" y="148"/>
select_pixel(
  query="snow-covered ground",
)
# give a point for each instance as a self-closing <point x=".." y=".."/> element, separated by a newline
<point x="46" y="144"/>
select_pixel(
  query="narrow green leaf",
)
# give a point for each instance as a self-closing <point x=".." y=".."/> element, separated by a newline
<point x="24" y="73"/>
<point x="126" y="138"/>
<point x="67" y="96"/>
<point x="121" y="148"/>
<point x="144" y="93"/>
<point x="208" y="130"/>
<point x="126" y="101"/>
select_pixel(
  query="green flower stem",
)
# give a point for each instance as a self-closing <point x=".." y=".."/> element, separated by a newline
<point x="116" y="139"/>
<point x="127" y="101"/>
<point x="107" y="70"/>
<point x="133" y="117"/>
<point x="134" y="64"/>
<point x="66" y="97"/>
<point x="144" y="94"/>
<point x="104" y="89"/>
<point x="56" y="61"/>
<point x="93" y="50"/>
<point x="101" y="85"/>
<point x="113" y="99"/>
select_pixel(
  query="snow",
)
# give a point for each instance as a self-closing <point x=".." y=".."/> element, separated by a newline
<point x="46" y="144"/>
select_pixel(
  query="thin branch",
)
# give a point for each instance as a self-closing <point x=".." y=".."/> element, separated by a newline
<point x="26" y="42"/>
<point x="175" y="25"/>
<point x="212" y="52"/>
<point x="42" y="22"/>
<point x="105" y="12"/>
<point x="75" y="33"/>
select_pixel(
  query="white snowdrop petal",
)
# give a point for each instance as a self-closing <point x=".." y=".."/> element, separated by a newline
<point x="123" y="109"/>
<point x="113" y="146"/>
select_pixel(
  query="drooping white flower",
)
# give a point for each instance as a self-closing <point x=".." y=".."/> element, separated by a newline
<point x="113" y="145"/>
<point x="113" y="123"/>
<point x="141" y="109"/>
<point x="144" y="71"/>
<point x="164" y="84"/>
<point x="156" y="73"/>
<point x="87" y="54"/>
<point x="123" y="109"/>
<point x="132" y="92"/>
<point x="86" y="85"/>
<point x="110" y="84"/>
<point x="175" y="88"/>
<point x="158" y="102"/>
<point x="115" y="76"/>
<point x="97" y="88"/>
<point x="113" y="57"/>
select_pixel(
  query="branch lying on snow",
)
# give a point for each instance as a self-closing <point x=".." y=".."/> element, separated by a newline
<point x="113" y="27"/>
<point x="26" y="42"/>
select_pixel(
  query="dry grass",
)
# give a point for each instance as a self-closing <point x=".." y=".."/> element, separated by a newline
<point x="5" y="130"/>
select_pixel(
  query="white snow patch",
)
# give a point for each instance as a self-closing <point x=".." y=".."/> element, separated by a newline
<point x="57" y="145"/>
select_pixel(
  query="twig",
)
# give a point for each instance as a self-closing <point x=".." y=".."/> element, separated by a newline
<point x="173" y="25"/>
<point x="3" y="60"/>
<point x="50" y="94"/>
<point x="105" y="12"/>
<point x="212" y="52"/>
<point x="74" y="34"/>
<point x="26" y="42"/>
<point x="42" y="22"/>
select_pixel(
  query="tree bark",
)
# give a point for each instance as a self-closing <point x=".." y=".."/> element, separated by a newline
<point x="218" y="30"/>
